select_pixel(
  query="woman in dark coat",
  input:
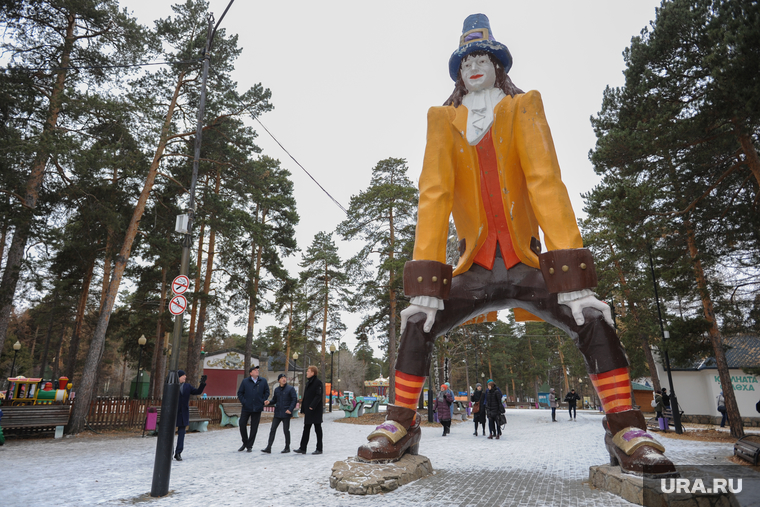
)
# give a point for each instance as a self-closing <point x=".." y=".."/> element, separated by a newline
<point x="443" y="408"/>
<point x="494" y="408"/>
<point x="480" y="416"/>
<point x="312" y="404"/>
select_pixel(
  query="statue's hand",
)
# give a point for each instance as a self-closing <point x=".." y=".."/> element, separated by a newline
<point x="587" y="301"/>
<point x="414" y="309"/>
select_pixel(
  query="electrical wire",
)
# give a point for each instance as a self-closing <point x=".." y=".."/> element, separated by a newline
<point x="302" y="167"/>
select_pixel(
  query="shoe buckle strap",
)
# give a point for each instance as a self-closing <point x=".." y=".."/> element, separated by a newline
<point x="392" y="430"/>
<point x="631" y="438"/>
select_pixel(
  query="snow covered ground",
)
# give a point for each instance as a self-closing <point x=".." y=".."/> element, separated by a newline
<point x="536" y="462"/>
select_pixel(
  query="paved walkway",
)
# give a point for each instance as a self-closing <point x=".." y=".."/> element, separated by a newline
<point x="535" y="463"/>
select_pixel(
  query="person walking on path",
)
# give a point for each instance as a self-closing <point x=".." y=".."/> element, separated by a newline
<point x="494" y="409"/>
<point x="442" y="407"/>
<point x="722" y="409"/>
<point x="252" y="393"/>
<point x="311" y="408"/>
<point x="284" y="402"/>
<point x="553" y="404"/>
<point x="183" y="410"/>
<point x="572" y="398"/>
<point x="479" y="397"/>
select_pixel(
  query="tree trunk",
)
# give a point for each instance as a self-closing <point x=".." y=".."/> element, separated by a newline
<point x="46" y="346"/>
<point x="643" y="338"/>
<point x="156" y="364"/>
<point x="255" y="271"/>
<point x="392" y="319"/>
<point x="22" y="230"/>
<point x="196" y="291"/>
<point x="732" y="408"/>
<point x="193" y="359"/>
<point x="87" y="383"/>
<point x="750" y="152"/>
<point x="324" y="320"/>
<point x="71" y="363"/>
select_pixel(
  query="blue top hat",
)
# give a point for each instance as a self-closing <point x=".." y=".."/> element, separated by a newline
<point x="477" y="36"/>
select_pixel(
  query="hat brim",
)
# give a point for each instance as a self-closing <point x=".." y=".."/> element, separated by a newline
<point x="497" y="49"/>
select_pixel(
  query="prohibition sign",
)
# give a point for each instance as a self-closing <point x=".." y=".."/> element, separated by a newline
<point x="177" y="305"/>
<point x="180" y="284"/>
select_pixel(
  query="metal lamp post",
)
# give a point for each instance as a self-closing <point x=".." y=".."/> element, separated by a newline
<point x="665" y="336"/>
<point x="295" y="367"/>
<point x="142" y="341"/>
<point x="162" y="465"/>
<point x="16" y="348"/>
<point x="673" y="399"/>
<point x="332" y="353"/>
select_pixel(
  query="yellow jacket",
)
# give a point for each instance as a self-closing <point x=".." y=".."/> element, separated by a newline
<point x="533" y="194"/>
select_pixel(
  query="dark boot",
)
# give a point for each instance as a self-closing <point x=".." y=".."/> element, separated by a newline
<point x="400" y="433"/>
<point x="631" y="447"/>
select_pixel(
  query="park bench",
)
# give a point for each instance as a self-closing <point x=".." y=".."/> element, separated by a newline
<point x="230" y="413"/>
<point x="353" y="409"/>
<point x="36" y="418"/>
<point x="196" y="421"/>
<point x="371" y="405"/>
<point x="667" y="414"/>
<point x="460" y="411"/>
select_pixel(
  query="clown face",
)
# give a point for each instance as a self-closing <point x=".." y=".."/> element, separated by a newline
<point x="478" y="73"/>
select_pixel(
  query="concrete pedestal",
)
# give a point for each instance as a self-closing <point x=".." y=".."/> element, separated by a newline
<point x="360" y="478"/>
<point x="654" y="492"/>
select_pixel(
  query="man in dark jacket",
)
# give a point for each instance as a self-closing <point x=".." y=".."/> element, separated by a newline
<point x="571" y="398"/>
<point x="252" y="393"/>
<point x="311" y="408"/>
<point x="284" y="402"/>
<point x="183" y="410"/>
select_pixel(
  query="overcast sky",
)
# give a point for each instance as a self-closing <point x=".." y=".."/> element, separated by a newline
<point x="352" y="82"/>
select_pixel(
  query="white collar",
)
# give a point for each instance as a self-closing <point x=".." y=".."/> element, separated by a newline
<point x="480" y="106"/>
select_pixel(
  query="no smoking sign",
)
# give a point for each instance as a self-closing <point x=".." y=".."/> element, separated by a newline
<point x="180" y="284"/>
<point x="177" y="305"/>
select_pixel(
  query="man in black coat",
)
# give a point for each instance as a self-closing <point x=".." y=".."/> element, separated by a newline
<point x="571" y="398"/>
<point x="311" y="406"/>
<point x="252" y="393"/>
<point x="284" y="402"/>
<point x="183" y="410"/>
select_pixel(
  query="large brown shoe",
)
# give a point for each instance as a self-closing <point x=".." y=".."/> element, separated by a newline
<point x="632" y="448"/>
<point x="400" y="433"/>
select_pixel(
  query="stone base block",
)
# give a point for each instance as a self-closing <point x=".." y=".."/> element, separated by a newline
<point x="360" y="478"/>
<point x="654" y="492"/>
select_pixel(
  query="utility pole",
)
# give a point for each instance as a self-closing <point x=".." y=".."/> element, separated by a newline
<point x="162" y="465"/>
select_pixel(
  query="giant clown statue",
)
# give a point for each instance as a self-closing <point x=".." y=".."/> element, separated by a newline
<point x="490" y="163"/>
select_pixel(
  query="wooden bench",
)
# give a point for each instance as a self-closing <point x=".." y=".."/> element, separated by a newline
<point x="667" y="414"/>
<point x="353" y="410"/>
<point x="196" y="422"/>
<point x="230" y="413"/>
<point x="36" y="418"/>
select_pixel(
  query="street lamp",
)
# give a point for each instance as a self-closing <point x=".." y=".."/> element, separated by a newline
<point x="332" y="353"/>
<point x="142" y="341"/>
<point x="16" y="348"/>
<point x="295" y="366"/>
<point x="673" y="399"/>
